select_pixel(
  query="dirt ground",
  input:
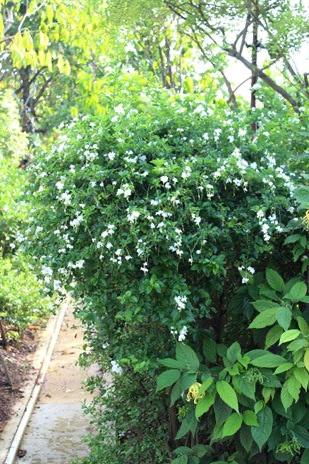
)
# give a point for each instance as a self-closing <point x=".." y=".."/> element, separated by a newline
<point x="18" y="356"/>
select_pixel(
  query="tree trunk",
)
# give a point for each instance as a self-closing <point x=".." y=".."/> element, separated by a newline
<point x="254" y="56"/>
<point x="26" y="117"/>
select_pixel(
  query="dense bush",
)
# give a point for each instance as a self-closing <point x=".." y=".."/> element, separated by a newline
<point x="22" y="297"/>
<point x="162" y="221"/>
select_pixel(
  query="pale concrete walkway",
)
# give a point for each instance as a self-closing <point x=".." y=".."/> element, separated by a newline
<point x="54" y="434"/>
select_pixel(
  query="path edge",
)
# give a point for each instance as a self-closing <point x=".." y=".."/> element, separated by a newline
<point x="44" y="353"/>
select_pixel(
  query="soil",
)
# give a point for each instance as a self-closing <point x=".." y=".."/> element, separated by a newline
<point x="17" y="356"/>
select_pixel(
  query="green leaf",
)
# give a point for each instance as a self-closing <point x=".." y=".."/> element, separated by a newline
<point x="264" y="319"/>
<point x="233" y="352"/>
<point x="305" y="457"/>
<point x="286" y="398"/>
<point x="204" y="404"/>
<point x="250" y="418"/>
<point x="297" y="292"/>
<point x="263" y="305"/>
<point x="187" y="357"/>
<point x="283" y="368"/>
<point x="273" y="335"/>
<point x="200" y="450"/>
<point x="180" y="460"/>
<point x="244" y="386"/>
<point x="171" y="363"/>
<point x="268" y="360"/>
<point x="210" y="349"/>
<point x="289" y="336"/>
<point x="274" y="280"/>
<point x="292" y="239"/>
<point x="302" y="376"/>
<point x="206" y="384"/>
<point x="188" y="424"/>
<point x="167" y="378"/>
<point x="306" y="359"/>
<point x="284" y="317"/>
<point x="246" y="438"/>
<point x="232" y="425"/>
<point x="302" y="436"/>
<point x="293" y="386"/>
<point x="302" y="196"/>
<point x="262" y="432"/>
<point x="227" y="394"/>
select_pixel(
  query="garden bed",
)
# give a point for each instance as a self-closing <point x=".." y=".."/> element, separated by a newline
<point x="18" y="357"/>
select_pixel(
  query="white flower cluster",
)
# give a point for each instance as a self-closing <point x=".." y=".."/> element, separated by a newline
<point x="246" y="271"/>
<point x="181" y="301"/>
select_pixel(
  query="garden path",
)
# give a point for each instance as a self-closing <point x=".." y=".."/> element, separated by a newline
<point x="57" y="426"/>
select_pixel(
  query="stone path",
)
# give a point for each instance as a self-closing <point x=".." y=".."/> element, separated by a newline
<point x="54" y="434"/>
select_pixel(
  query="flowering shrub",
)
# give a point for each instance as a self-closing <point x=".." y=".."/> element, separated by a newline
<point x="160" y="220"/>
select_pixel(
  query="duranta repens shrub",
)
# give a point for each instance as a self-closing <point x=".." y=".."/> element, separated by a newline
<point x="163" y="221"/>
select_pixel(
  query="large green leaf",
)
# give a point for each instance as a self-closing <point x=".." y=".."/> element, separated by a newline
<point x="302" y="196"/>
<point x="274" y="280"/>
<point x="302" y="436"/>
<point x="301" y="374"/>
<point x="262" y="305"/>
<point x="227" y="394"/>
<point x="250" y="418"/>
<point x="262" y="432"/>
<point x="297" y="292"/>
<point x="167" y="378"/>
<point x="305" y="457"/>
<point x="180" y="460"/>
<point x="171" y="363"/>
<point x="232" y="425"/>
<point x="204" y="404"/>
<point x="233" y="352"/>
<point x="264" y="319"/>
<point x="268" y="360"/>
<point x="289" y="336"/>
<point x="284" y="317"/>
<point x="187" y="357"/>
<point x="273" y="335"/>
<point x="285" y="396"/>
<point x="210" y="349"/>
<point x="188" y="424"/>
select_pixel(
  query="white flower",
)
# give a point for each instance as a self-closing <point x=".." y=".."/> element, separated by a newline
<point x="116" y="369"/>
<point x="77" y="220"/>
<point x="111" y="155"/>
<point x="196" y="219"/>
<point x="144" y="268"/>
<point x="66" y="198"/>
<point x="125" y="191"/>
<point x="181" y="302"/>
<point x="47" y="271"/>
<point x="245" y="280"/>
<point x="186" y="172"/>
<point x="251" y="269"/>
<point x="79" y="264"/>
<point x="133" y="216"/>
<point x="183" y="333"/>
<point x="59" y="185"/>
<point x="260" y="214"/>
<point x="164" y="179"/>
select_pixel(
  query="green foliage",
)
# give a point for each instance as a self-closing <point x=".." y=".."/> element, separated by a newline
<point x="22" y="299"/>
<point x="280" y="383"/>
